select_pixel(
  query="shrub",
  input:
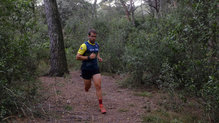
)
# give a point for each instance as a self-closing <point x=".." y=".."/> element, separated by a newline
<point x="17" y="66"/>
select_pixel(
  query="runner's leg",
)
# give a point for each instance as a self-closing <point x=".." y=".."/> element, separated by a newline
<point x="97" y="84"/>
<point x="87" y="84"/>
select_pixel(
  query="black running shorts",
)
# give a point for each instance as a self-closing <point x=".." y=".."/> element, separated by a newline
<point x="88" y="74"/>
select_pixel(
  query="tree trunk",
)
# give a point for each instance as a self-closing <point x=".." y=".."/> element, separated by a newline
<point x="129" y="10"/>
<point x="58" y="63"/>
<point x="132" y="12"/>
<point x="95" y="9"/>
<point x="154" y="7"/>
<point x="174" y="3"/>
<point x="151" y="8"/>
<point x="163" y="6"/>
<point x="126" y="10"/>
<point x="142" y="11"/>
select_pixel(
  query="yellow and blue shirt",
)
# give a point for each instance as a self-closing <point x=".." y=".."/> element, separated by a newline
<point x="86" y="49"/>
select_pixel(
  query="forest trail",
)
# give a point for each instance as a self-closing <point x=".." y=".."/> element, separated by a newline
<point x="66" y="101"/>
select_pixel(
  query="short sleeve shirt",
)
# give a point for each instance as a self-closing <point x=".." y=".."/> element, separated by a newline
<point x="82" y="49"/>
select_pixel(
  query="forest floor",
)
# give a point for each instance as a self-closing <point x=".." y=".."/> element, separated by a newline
<point x="64" y="100"/>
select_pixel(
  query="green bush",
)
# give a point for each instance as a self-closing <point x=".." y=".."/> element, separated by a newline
<point x="210" y="93"/>
<point x="175" y="51"/>
<point x="112" y="39"/>
<point x="178" y="51"/>
<point x="17" y="66"/>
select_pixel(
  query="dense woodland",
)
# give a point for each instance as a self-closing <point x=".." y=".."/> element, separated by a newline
<point x="168" y="44"/>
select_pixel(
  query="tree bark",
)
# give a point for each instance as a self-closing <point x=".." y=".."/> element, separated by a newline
<point x="58" y="63"/>
<point x="154" y="5"/>
<point x="132" y="12"/>
<point x="95" y="9"/>
<point x="126" y="10"/>
<point x="151" y="8"/>
<point x="174" y="3"/>
<point x="163" y="6"/>
<point x="129" y="10"/>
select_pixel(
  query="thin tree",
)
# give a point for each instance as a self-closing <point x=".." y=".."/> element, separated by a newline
<point x="154" y="5"/>
<point x="126" y="9"/>
<point x="58" y="63"/>
<point x="95" y="9"/>
<point x="129" y="10"/>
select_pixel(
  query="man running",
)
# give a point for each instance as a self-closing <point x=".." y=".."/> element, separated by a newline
<point x="89" y="54"/>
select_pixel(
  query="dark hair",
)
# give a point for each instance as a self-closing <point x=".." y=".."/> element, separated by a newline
<point x="92" y="31"/>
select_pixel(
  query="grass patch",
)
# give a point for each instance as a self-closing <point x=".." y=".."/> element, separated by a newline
<point x="119" y="91"/>
<point x="143" y="94"/>
<point x="131" y="105"/>
<point x="123" y="110"/>
<point x="68" y="108"/>
<point x="154" y="119"/>
<point x="103" y="94"/>
<point x="163" y="116"/>
<point x="67" y="77"/>
<point x="42" y="68"/>
<point x="107" y="74"/>
<point x="125" y="82"/>
<point x="58" y="92"/>
<point x="60" y="84"/>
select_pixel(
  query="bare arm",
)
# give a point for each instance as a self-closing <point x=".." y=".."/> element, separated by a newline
<point x="80" y="57"/>
<point x="99" y="58"/>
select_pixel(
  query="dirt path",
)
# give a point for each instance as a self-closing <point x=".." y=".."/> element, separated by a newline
<point x="66" y="101"/>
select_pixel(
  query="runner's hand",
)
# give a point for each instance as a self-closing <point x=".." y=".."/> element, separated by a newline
<point x="100" y="59"/>
<point x="92" y="56"/>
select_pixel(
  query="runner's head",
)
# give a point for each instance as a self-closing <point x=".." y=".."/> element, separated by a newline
<point x="92" y="35"/>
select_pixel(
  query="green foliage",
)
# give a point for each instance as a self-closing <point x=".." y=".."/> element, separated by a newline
<point x="210" y="93"/>
<point x="163" y="116"/>
<point x="17" y="66"/>
<point x="175" y="51"/>
<point x="143" y="94"/>
<point x="178" y="51"/>
<point x="68" y="108"/>
<point x="112" y="41"/>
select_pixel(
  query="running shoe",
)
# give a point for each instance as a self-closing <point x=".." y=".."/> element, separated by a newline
<point x="102" y="109"/>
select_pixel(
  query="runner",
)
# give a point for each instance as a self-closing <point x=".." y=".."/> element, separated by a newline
<point x="89" y="54"/>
